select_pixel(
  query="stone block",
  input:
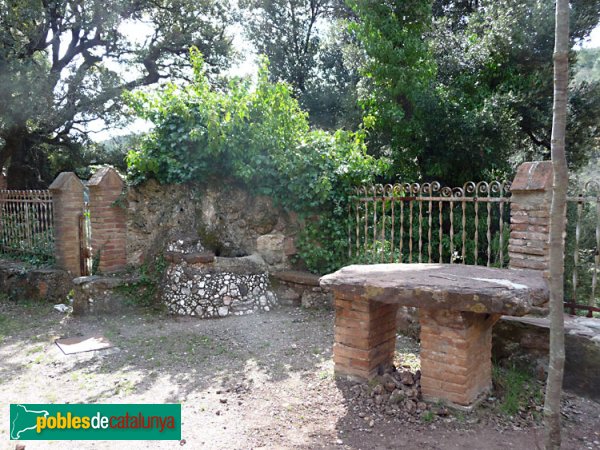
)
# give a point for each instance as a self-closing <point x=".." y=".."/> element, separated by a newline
<point x="533" y="176"/>
<point x="524" y="342"/>
<point x="99" y="295"/>
<point x="199" y="258"/>
<point x="271" y="247"/>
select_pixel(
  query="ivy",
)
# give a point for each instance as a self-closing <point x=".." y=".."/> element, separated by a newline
<point x="260" y="137"/>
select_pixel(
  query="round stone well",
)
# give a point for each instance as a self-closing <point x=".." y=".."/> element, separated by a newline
<point x="198" y="283"/>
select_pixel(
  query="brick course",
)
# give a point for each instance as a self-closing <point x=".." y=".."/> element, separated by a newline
<point x="529" y="220"/>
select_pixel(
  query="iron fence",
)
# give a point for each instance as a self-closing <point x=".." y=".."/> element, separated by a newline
<point x="26" y="222"/>
<point x="412" y="222"/>
<point x="582" y="252"/>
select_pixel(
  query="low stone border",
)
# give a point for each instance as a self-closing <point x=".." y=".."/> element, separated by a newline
<point x="296" y="288"/>
<point x="20" y="282"/>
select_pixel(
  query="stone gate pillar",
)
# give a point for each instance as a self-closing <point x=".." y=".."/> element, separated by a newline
<point x="108" y="215"/>
<point x="528" y="246"/>
<point x="67" y="202"/>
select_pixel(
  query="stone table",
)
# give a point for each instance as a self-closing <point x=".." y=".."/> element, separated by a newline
<point x="458" y="305"/>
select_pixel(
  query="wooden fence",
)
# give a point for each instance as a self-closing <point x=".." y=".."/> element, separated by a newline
<point x="26" y="223"/>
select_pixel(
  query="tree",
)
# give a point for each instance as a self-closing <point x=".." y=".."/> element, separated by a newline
<point x="399" y="72"/>
<point x="331" y="95"/>
<point x="257" y="136"/>
<point x="588" y="66"/>
<point x="552" y="434"/>
<point x="484" y="105"/>
<point x="64" y="64"/>
<point x="309" y="46"/>
<point x="286" y="32"/>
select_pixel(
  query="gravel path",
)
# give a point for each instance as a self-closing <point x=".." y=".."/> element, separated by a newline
<point x="258" y="381"/>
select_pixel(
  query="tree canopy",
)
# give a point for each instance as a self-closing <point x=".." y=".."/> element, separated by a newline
<point x="62" y="65"/>
<point x="447" y="90"/>
<point x="480" y="84"/>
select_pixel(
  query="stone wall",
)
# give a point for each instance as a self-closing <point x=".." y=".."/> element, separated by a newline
<point x="21" y="283"/>
<point x="524" y="342"/>
<point x="297" y="288"/>
<point x="101" y="295"/>
<point x="229" y="221"/>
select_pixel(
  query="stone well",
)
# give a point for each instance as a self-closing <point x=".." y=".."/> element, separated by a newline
<point x="197" y="283"/>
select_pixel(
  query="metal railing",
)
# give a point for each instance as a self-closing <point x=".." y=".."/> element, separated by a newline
<point x="412" y="222"/>
<point x="26" y="222"/>
<point x="582" y="252"/>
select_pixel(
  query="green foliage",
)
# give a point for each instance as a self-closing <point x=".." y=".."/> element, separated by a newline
<point x="144" y="291"/>
<point x="586" y="218"/>
<point x="259" y="137"/>
<point x="27" y="240"/>
<point x="587" y="69"/>
<point x="310" y="48"/>
<point x="400" y="69"/>
<point x="517" y="390"/>
<point x="62" y="65"/>
<point x="414" y="246"/>
<point x="455" y="90"/>
<point x="96" y="262"/>
<point x="428" y="416"/>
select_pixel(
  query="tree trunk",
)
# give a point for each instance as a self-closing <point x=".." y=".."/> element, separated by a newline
<point x="552" y="433"/>
<point x="27" y="166"/>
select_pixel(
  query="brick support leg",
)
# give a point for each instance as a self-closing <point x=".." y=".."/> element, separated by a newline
<point x="365" y="336"/>
<point x="456" y="355"/>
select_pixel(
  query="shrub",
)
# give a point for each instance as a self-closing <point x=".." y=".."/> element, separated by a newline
<point x="260" y="137"/>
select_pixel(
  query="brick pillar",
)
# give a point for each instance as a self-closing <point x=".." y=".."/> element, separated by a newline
<point x="456" y="355"/>
<point x="67" y="199"/>
<point x="528" y="246"/>
<point x="108" y="220"/>
<point x="365" y="336"/>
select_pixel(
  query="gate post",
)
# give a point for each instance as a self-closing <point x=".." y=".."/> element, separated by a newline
<point x="67" y="202"/>
<point x="528" y="246"/>
<point x="108" y="220"/>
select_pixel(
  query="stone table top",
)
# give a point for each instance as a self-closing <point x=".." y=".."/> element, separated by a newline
<point x="454" y="287"/>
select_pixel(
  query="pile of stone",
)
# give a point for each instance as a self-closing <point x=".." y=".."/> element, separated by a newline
<point x="395" y="393"/>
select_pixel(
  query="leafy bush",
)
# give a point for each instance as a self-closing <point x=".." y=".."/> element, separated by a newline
<point x="260" y="137"/>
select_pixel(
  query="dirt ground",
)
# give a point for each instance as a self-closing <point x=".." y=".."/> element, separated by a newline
<point x="258" y="381"/>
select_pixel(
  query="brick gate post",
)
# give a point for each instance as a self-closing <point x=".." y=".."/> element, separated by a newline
<point x="67" y="202"/>
<point x="528" y="246"/>
<point x="108" y="220"/>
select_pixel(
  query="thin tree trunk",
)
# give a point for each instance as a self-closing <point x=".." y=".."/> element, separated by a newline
<point x="552" y="434"/>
